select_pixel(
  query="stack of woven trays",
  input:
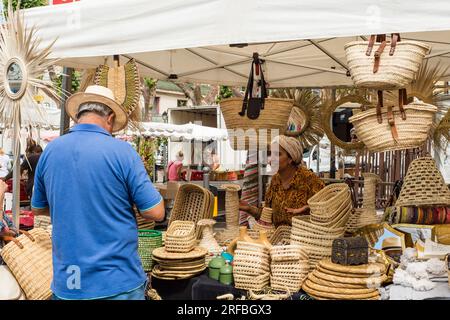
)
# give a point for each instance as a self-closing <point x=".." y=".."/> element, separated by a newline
<point x="148" y="240"/>
<point x="251" y="266"/>
<point x="180" y="237"/>
<point x="289" y="267"/>
<point x="331" y="206"/>
<point x="316" y="240"/>
<point x="177" y="266"/>
<point x="335" y="281"/>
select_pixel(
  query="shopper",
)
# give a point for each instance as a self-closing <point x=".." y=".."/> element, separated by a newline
<point x="88" y="182"/>
<point x="291" y="187"/>
<point x="175" y="168"/>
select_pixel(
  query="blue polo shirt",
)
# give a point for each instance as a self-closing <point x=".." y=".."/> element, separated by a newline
<point x="90" y="180"/>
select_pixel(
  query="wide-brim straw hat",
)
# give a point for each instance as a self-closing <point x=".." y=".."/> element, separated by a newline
<point x="97" y="94"/>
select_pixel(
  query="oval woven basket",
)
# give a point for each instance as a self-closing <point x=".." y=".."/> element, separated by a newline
<point x="336" y="218"/>
<point x="303" y="225"/>
<point x="288" y="253"/>
<point x="180" y="236"/>
<point x="329" y="199"/>
<point x="396" y="71"/>
<point x="251" y="282"/>
<point x="412" y="132"/>
<point x="245" y="132"/>
<point x="281" y="236"/>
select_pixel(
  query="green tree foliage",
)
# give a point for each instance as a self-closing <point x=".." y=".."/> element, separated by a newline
<point x="25" y="4"/>
<point x="224" y="93"/>
<point x="76" y="82"/>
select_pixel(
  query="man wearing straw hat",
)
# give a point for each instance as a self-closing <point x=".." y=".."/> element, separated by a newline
<point x="88" y="182"/>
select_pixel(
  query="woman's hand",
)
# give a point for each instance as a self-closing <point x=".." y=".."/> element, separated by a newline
<point x="301" y="211"/>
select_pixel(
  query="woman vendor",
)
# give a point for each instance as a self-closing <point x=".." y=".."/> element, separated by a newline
<point x="292" y="185"/>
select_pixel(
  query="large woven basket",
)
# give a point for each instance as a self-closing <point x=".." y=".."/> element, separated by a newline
<point x="396" y="71"/>
<point x="29" y="257"/>
<point x="192" y="203"/>
<point x="272" y="122"/>
<point x="412" y="132"/>
<point x="148" y="240"/>
<point x="423" y="185"/>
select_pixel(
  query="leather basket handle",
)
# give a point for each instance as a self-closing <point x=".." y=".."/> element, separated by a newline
<point x="379" y="106"/>
<point x="395" y="37"/>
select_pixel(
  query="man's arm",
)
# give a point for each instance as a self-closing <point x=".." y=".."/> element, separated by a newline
<point x="157" y="213"/>
<point x="40" y="211"/>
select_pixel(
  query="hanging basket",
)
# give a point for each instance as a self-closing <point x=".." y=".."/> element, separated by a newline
<point x="246" y="132"/>
<point x="385" y="65"/>
<point x="413" y="129"/>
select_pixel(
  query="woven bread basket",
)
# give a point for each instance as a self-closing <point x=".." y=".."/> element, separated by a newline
<point x="412" y="132"/>
<point x="245" y="282"/>
<point x="327" y="201"/>
<point x="423" y="185"/>
<point x="287" y="253"/>
<point x="339" y="219"/>
<point x="29" y="257"/>
<point x="395" y="71"/>
<point x="304" y="225"/>
<point x="245" y="132"/>
<point x="180" y="236"/>
<point x="281" y="236"/>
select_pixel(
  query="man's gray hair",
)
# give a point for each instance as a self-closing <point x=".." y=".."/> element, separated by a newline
<point x="98" y="108"/>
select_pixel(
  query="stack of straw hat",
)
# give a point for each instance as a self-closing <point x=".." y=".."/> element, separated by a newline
<point x="251" y="266"/>
<point x="334" y="281"/>
<point x="289" y="267"/>
<point x="366" y="215"/>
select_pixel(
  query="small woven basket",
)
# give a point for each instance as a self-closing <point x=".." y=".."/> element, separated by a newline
<point x="180" y="236"/>
<point x="281" y="236"/>
<point x="148" y="241"/>
<point x="396" y="71"/>
<point x="272" y="121"/>
<point x="412" y="132"/>
<point x="245" y="282"/>
<point x="287" y="253"/>
<point x="42" y="221"/>
<point x="326" y="203"/>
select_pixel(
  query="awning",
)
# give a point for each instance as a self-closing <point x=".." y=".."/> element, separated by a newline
<point x="212" y="41"/>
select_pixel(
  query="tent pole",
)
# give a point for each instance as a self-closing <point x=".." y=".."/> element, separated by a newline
<point x="66" y="87"/>
<point x="318" y="46"/>
<point x="16" y="178"/>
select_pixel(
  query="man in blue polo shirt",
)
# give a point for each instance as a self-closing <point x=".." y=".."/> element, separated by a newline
<point x="88" y="182"/>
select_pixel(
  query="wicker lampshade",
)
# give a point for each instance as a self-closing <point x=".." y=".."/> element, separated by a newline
<point x="423" y="185"/>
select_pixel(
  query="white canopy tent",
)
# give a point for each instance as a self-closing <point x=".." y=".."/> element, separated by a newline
<point x="301" y="42"/>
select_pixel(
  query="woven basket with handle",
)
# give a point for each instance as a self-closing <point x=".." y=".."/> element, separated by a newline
<point x="381" y="65"/>
<point x="29" y="257"/>
<point x="246" y="132"/>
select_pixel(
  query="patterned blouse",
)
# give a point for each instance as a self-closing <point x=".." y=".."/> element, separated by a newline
<point x="302" y="187"/>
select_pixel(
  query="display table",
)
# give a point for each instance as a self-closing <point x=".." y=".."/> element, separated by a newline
<point x="200" y="287"/>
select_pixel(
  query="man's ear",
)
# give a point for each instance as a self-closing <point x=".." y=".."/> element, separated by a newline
<point x="110" y="119"/>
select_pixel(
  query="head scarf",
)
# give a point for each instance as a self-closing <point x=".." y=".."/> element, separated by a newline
<point x="292" y="146"/>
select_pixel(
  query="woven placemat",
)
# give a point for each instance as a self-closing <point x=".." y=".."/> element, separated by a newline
<point x="371" y="282"/>
<point x="170" y="273"/>
<point x="340" y="274"/>
<point x="162" y="253"/>
<point x="314" y="279"/>
<point x="367" y="269"/>
<point x="329" y="295"/>
<point x="324" y="288"/>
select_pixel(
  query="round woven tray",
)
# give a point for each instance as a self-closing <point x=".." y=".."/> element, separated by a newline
<point x="339" y="274"/>
<point x="317" y="280"/>
<point x="331" y="289"/>
<point x="342" y="296"/>
<point x="163" y="254"/>
<point x="365" y="269"/>
<point x="371" y="282"/>
<point x="164" y="272"/>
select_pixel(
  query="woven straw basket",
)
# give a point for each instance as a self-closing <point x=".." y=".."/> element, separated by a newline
<point x="396" y="71"/>
<point x="29" y="257"/>
<point x="180" y="236"/>
<point x="412" y="132"/>
<point x="273" y="118"/>
<point x="423" y="185"/>
<point x="148" y="240"/>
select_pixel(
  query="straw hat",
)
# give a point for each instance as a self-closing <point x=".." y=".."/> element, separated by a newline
<point x="392" y="243"/>
<point x="101" y="95"/>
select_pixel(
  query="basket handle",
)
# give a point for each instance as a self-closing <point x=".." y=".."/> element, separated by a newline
<point x="9" y="238"/>
<point x="395" y="37"/>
